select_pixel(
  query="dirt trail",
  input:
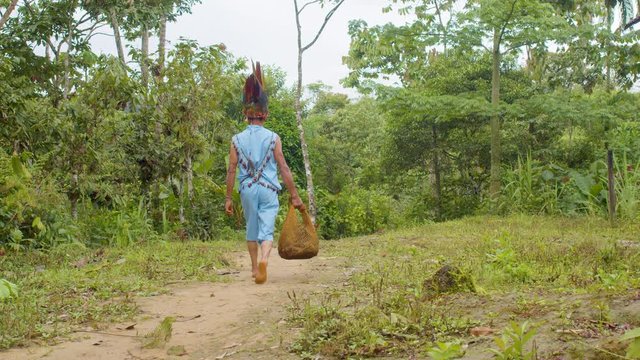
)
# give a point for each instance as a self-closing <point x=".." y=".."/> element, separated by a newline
<point x="235" y="320"/>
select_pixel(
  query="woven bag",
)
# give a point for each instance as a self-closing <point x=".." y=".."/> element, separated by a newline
<point x="298" y="239"/>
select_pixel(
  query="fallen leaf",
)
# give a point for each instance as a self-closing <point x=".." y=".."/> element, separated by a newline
<point x="121" y="261"/>
<point x="481" y="331"/>
<point x="126" y="327"/>
<point x="99" y="342"/>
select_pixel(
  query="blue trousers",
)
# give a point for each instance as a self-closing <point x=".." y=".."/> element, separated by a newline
<point x="260" y="207"/>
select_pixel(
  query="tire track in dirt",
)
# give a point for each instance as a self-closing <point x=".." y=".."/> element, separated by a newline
<point x="234" y="320"/>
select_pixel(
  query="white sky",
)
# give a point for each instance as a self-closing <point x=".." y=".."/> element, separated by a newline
<point x="265" y="31"/>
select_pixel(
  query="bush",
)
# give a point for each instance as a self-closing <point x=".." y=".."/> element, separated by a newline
<point x="353" y="212"/>
<point x="31" y="210"/>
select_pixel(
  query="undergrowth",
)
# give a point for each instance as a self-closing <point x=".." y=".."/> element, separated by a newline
<point x="384" y="308"/>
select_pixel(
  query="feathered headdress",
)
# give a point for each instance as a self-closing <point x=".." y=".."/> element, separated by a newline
<point x="254" y="99"/>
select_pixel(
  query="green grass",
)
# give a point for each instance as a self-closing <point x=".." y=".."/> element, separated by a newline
<point x="523" y="268"/>
<point x="70" y="287"/>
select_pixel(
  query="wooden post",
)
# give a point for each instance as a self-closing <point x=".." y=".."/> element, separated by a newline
<point x="612" y="190"/>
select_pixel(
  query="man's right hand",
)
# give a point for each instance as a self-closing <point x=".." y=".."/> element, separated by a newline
<point x="297" y="203"/>
<point x="228" y="207"/>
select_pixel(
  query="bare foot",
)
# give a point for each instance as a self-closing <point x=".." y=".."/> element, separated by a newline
<point x="254" y="273"/>
<point x="261" y="277"/>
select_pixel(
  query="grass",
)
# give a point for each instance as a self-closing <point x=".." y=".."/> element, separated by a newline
<point x="556" y="274"/>
<point x="71" y="287"/>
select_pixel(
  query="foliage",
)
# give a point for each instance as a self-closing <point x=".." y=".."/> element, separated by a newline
<point x="633" y="352"/>
<point x="8" y="290"/>
<point x="354" y="212"/>
<point x="32" y="211"/>
<point x="512" y="343"/>
<point x="445" y="351"/>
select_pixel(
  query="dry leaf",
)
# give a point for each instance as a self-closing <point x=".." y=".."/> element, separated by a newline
<point x="81" y="263"/>
<point x="126" y="327"/>
<point x="482" y="331"/>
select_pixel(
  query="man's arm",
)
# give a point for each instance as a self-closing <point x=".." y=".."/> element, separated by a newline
<point x="287" y="177"/>
<point x="231" y="178"/>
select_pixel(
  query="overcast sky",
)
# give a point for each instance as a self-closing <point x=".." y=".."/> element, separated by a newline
<point x="265" y="31"/>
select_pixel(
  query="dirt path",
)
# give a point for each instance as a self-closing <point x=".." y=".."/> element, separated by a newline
<point x="235" y="320"/>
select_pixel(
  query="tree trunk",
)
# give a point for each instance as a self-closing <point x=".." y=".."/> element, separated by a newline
<point x="144" y="60"/>
<point x="162" y="45"/>
<point x="189" y="174"/>
<point x="305" y="151"/>
<point x="67" y="66"/>
<point x="7" y="14"/>
<point x="75" y="195"/>
<point x="436" y="184"/>
<point x="157" y="133"/>
<point x="303" y="143"/>
<point x="116" y="34"/>
<point x="496" y="151"/>
<point x="181" y="216"/>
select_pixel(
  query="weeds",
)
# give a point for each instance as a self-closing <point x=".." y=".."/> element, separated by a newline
<point x="522" y="267"/>
<point x="446" y="351"/>
<point x="513" y="342"/>
<point x="70" y="286"/>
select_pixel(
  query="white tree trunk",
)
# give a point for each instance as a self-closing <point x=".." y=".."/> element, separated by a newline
<point x="116" y="34"/>
<point x="144" y="60"/>
<point x="303" y="143"/>
<point x="305" y="152"/>
<point x="162" y="35"/>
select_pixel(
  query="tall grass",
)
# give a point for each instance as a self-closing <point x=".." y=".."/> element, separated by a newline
<point x="627" y="189"/>
<point x="533" y="188"/>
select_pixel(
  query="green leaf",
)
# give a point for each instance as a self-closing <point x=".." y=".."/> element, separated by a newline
<point x="19" y="169"/>
<point x="7" y="290"/>
<point x="631" y="334"/>
<point x="633" y="351"/>
<point x="37" y="224"/>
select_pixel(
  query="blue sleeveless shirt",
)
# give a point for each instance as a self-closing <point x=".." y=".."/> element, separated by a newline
<point x="256" y="160"/>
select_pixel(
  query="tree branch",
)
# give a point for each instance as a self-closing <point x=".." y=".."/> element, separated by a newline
<point x="626" y="27"/>
<point x="506" y="22"/>
<point x="326" y="20"/>
<point x="5" y="16"/>
<point x="307" y="4"/>
<point x="48" y="40"/>
<point x="88" y="37"/>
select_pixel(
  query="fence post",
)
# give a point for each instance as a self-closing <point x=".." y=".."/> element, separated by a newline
<point x="612" y="190"/>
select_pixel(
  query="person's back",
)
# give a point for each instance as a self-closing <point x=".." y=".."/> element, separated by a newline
<point x="256" y="161"/>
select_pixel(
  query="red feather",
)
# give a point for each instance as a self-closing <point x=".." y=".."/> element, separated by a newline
<point x="255" y="97"/>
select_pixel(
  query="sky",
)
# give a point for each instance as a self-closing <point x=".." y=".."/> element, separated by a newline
<point x="265" y="31"/>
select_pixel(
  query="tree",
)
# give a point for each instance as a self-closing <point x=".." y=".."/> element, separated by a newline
<point x="380" y="52"/>
<point x="301" y="50"/>
<point x="509" y="25"/>
<point x="404" y="51"/>
<point x="199" y="83"/>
